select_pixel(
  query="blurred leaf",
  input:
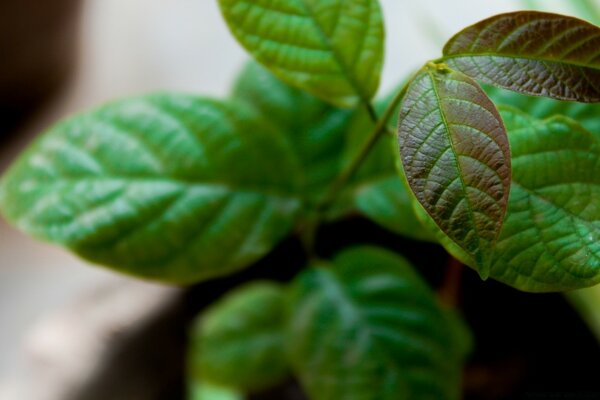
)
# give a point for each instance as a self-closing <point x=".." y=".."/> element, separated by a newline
<point x="315" y="130"/>
<point x="455" y="155"/>
<point x="205" y="391"/>
<point x="239" y="341"/>
<point x="168" y="186"/>
<point x="586" y="302"/>
<point x="533" y="53"/>
<point x="550" y="240"/>
<point x="332" y="49"/>
<point x="326" y="139"/>
<point x="367" y="327"/>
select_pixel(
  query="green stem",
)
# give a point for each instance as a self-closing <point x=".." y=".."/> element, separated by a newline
<point x="380" y="128"/>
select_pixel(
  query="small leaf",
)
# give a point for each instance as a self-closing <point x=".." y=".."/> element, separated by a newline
<point x="332" y="49"/>
<point x="170" y="187"/>
<point x="585" y="114"/>
<point x="533" y="53"/>
<point x="367" y="327"/>
<point x="455" y="154"/>
<point x="239" y="341"/>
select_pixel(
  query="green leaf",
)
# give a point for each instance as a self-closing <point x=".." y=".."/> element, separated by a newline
<point x="315" y="130"/>
<point x="171" y="187"/>
<point x="455" y="154"/>
<point x="332" y="49"/>
<point x="367" y="327"/>
<point x="550" y="240"/>
<point x="533" y="53"/>
<point x="551" y="236"/>
<point x="206" y="391"/>
<point x="541" y="107"/>
<point x="239" y="341"/>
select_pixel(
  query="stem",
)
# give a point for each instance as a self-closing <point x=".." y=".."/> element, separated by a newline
<point x="450" y="289"/>
<point x="380" y="127"/>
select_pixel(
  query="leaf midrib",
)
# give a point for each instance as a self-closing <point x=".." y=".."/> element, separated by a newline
<point x="456" y="162"/>
<point x="346" y="70"/>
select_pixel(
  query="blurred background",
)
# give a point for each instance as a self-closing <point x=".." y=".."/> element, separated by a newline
<point x="64" y="56"/>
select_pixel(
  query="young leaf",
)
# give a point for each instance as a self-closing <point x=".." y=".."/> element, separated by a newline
<point x="239" y="341"/>
<point x="367" y="327"/>
<point x="332" y="49"/>
<point x="551" y="236"/>
<point x="550" y="239"/>
<point x="455" y="154"/>
<point x="533" y="53"/>
<point x="168" y="186"/>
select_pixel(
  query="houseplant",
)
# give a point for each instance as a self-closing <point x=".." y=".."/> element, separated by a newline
<point x="184" y="189"/>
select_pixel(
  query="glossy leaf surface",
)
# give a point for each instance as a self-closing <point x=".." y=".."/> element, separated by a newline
<point x="367" y="327"/>
<point x="456" y="158"/>
<point x="332" y="48"/>
<point x="170" y="187"/>
<point x="533" y="53"/>
<point x="239" y="341"/>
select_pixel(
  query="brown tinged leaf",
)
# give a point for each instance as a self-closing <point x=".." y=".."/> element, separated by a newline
<point x="456" y="157"/>
<point x="534" y="53"/>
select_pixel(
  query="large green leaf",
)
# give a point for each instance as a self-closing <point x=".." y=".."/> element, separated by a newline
<point x="550" y="240"/>
<point x="239" y="341"/>
<point x="315" y="130"/>
<point x="331" y="48"/>
<point x="455" y="155"/>
<point x="171" y="187"/>
<point x="551" y="236"/>
<point x="367" y="327"/>
<point x="533" y="53"/>
<point x="542" y="107"/>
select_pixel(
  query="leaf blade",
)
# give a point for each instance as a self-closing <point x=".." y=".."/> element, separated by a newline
<point x="456" y="158"/>
<point x="531" y="52"/>
<point x="368" y="321"/>
<point x="332" y="49"/>
<point x="239" y="341"/>
<point x="149" y="186"/>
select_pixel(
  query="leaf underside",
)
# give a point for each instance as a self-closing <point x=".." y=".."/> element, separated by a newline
<point x="239" y="341"/>
<point x="171" y="187"/>
<point x="332" y="49"/>
<point x="367" y="327"/>
<point x="531" y="52"/>
<point x="456" y="158"/>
